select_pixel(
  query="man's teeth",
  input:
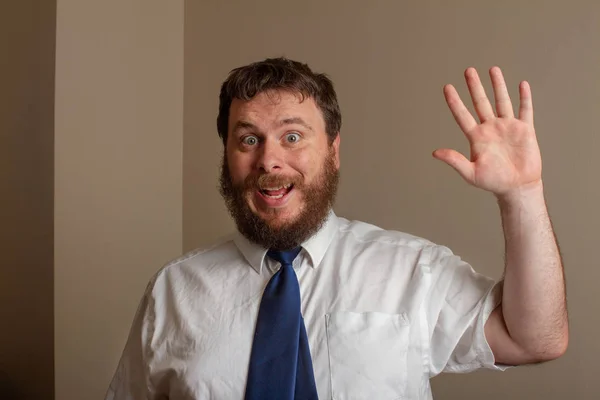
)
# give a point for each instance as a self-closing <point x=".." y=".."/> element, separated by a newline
<point x="273" y="189"/>
<point x="278" y="188"/>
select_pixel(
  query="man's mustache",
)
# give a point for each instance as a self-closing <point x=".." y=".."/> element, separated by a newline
<point x="253" y="182"/>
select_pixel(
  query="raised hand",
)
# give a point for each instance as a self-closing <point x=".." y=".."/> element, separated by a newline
<point x="505" y="155"/>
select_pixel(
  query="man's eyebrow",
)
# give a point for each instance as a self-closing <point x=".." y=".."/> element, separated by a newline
<point x="295" y="120"/>
<point x="243" y="125"/>
<point x="240" y="125"/>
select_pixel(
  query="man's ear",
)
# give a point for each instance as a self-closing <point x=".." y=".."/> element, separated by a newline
<point x="336" y="149"/>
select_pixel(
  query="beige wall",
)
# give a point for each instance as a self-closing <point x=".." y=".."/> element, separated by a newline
<point x="119" y="132"/>
<point x="26" y="198"/>
<point x="390" y="61"/>
<point x="127" y="136"/>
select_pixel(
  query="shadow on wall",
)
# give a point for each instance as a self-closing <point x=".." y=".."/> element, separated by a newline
<point x="8" y="389"/>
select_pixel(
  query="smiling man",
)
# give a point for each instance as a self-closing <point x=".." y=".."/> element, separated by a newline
<point x="302" y="304"/>
<point x="280" y="168"/>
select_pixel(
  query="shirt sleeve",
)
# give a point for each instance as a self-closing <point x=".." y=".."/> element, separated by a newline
<point x="459" y="303"/>
<point x="131" y="380"/>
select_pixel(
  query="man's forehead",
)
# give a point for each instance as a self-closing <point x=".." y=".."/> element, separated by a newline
<point x="275" y="107"/>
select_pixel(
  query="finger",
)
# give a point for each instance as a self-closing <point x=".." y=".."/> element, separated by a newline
<point x="503" y="105"/>
<point x="457" y="161"/>
<point x="526" y="106"/>
<point x="480" y="100"/>
<point x="461" y="114"/>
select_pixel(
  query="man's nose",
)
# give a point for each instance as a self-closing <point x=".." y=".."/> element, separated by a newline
<point x="270" y="157"/>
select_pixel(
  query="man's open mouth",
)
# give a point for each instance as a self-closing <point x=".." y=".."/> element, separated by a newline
<point x="276" y="192"/>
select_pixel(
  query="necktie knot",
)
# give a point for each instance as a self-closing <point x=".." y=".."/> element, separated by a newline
<point x="284" y="257"/>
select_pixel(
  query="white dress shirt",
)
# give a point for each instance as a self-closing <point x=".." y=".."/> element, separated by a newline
<point x="384" y="311"/>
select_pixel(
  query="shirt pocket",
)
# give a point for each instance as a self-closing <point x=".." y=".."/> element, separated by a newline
<point x="368" y="355"/>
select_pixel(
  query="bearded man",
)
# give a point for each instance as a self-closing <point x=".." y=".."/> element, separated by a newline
<point x="302" y="304"/>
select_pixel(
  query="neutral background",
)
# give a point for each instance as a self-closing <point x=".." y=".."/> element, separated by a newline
<point x="136" y="156"/>
<point x="27" y="30"/>
<point x="119" y="124"/>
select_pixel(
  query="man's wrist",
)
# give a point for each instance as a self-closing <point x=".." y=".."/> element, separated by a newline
<point x="531" y="194"/>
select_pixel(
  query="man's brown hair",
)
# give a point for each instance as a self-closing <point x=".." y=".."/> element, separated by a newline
<point x="279" y="74"/>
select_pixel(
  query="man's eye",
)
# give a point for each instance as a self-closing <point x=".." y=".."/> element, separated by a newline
<point x="292" y="137"/>
<point x="250" y="140"/>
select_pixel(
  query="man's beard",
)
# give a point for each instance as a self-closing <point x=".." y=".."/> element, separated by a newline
<point x="318" y="199"/>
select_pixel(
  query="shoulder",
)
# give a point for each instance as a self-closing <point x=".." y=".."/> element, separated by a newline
<point x="364" y="232"/>
<point x="195" y="261"/>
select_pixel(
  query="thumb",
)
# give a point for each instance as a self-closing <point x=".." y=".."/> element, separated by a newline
<point x="457" y="161"/>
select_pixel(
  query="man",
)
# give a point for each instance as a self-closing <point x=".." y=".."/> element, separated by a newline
<point x="302" y="304"/>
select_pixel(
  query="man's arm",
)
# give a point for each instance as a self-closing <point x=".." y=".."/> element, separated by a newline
<point x="531" y="323"/>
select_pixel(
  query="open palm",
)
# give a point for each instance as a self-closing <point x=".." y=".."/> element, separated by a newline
<point x="504" y="151"/>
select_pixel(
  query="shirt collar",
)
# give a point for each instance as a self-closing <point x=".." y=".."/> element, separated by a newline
<point x="315" y="246"/>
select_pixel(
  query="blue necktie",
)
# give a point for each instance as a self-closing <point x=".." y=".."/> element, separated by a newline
<point x="280" y="364"/>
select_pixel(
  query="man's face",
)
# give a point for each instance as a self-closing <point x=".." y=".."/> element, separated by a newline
<point x="279" y="173"/>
